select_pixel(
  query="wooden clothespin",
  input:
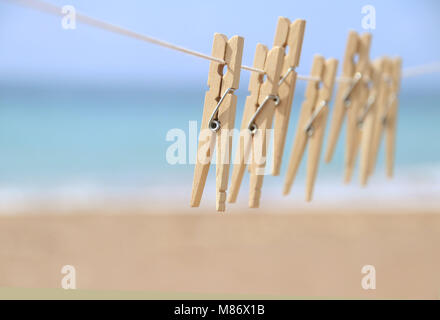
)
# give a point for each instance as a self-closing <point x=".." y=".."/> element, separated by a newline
<point x="312" y="123"/>
<point x="218" y="118"/>
<point x="368" y="117"/>
<point x="387" y="114"/>
<point x="382" y="106"/>
<point x="257" y="120"/>
<point x="345" y="88"/>
<point x="390" y="119"/>
<point x="357" y="101"/>
<point x="288" y="35"/>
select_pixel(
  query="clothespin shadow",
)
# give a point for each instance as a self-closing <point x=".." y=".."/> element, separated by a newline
<point x="312" y="123"/>
<point x="218" y="118"/>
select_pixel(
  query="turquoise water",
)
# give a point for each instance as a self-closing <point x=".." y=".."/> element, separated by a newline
<point x="54" y="136"/>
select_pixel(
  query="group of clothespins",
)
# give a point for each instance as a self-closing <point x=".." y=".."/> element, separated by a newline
<point x="367" y="94"/>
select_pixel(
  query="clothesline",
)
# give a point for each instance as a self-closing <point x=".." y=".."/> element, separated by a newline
<point x="55" y="10"/>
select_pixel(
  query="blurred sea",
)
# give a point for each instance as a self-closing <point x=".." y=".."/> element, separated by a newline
<point x="75" y="144"/>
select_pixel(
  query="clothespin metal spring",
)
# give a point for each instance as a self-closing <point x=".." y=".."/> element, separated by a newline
<point x="289" y="71"/>
<point x="389" y="80"/>
<point x="390" y="103"/>
<point x="367" y="108"/>
<point x="309" y="127"/>
<point x="252" y="127"/>
<point x="356" y="79"/>
<point x="214" y="124"/>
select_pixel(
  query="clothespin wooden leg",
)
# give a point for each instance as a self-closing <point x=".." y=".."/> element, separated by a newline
<point x="267" y="102"/>
<point x="391" y="118"/>
<point x="317" y="136"/>
<point x="339" y="107"/>
<point x="301" y="136"/>
<point x="219" y="86"/>
<point x="287" y="35"/>
<point x="244" y="145"/>
<point x="226" y="117"/>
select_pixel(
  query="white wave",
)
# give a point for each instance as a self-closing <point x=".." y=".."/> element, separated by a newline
<point x="412" y="187"/>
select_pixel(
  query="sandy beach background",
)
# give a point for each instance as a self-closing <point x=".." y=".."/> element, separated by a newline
<point x="300" y="255"/>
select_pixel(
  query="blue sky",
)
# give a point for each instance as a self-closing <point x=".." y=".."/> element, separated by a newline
<point x="33" y="46"/>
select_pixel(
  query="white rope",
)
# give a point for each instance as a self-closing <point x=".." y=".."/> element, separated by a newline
<point x="344" y="79"/>
<point x="308" y="78"/>
<point x="55" y="10"/>
<point x="253" y="69"/>
<point x="407" y="72"/>
<point x="421" y="70"/>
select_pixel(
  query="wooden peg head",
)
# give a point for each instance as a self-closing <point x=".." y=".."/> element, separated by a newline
<point x="364" y="52"/>
<point x="233" y="59"/>
<point x="282" y="32"/>
<point x="317" y="71"/>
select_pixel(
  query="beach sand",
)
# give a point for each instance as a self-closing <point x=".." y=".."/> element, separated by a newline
<point x="308" y="254"/>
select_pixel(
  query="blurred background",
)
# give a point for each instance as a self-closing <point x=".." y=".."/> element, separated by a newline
<point x="84" y="113"/>
<point x="84" y="116"/>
